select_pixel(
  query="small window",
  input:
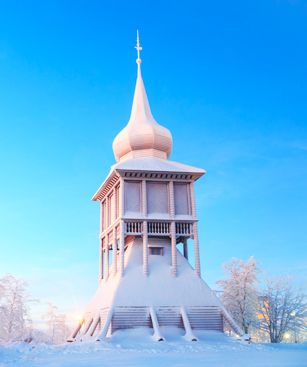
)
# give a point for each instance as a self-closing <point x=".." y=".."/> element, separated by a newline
<point x="156" y="251"/>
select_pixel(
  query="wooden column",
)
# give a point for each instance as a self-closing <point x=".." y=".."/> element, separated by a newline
<point x="122" y="247"/>
<point x="185" y="248"/>
<point x="195" y="232"/>
<point x="145" y="230"/>
<point x="121" y="228"/>
<point x="145" y="248"/>
<point x="196" y="249"/>
<point x="101" y="217"/>
<point x="173" y="228"/>
<point x="101" y="228"/>
<point x="174" y="249"/>
<point x="114" y="250"/>
<point x="106" y="249"/>
<point x="101" y="259"/>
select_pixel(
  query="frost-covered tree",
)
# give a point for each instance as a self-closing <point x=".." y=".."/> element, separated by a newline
<point x="13" y="310"/>
<point x="239" y="291"/>
<point x="282" y="311"/>
<point x="57" y="327"/>
<point x="2" y="310"/>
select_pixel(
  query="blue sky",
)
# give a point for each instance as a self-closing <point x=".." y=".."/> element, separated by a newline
<point x="229" y="79"/>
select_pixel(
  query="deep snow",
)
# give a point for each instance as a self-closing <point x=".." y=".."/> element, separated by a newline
<point x="135" y="348"/>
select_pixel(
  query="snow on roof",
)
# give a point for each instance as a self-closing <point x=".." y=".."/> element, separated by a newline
<point x="137" y="289"/>
<point x="156" y="165"/>
<point x="148" y="164"/>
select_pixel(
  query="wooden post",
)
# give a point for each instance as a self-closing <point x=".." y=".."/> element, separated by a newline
<point x="122" y="247"/>
<point x="157" y="335"/>
<point x="196" y="249"/>
<point x="107" y="323"/>
<point x="114" y="250"/>
<point x="195" y="232"/>
<point x="101" y="260"/>
<point x="145" y="229"/>
<point x="171" y="200"/>
<point x="144" y="199"/>
<point x="75" y="332"/>
<point x="185" y="248"/>
<point x="101" y="227"/>
<point x="106" y="247"/>
<point x="187" y="326"/>
<point x="173" y="228"/>
<point x="101" y="217"/>
<point x="173" y="249"/>
<point x="121" y="227"/>
<point x="145" y="248"/>
<point x="121" y="198"/>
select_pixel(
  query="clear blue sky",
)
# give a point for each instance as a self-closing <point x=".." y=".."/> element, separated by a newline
<point x="229" y="78"/>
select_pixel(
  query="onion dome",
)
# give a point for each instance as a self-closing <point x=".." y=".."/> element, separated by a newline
<point x="142" y="136"/>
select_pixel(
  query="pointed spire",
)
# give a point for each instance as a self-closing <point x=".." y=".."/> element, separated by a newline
<point x="142" y="136"/>
<point x="140" y="108"/>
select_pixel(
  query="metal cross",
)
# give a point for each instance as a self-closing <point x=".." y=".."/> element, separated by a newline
<point x="138" y="47"/>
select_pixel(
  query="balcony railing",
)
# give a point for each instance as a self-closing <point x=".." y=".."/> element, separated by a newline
<point x="156" y="228"/>
<point x="134" y="227"/>
<point x="184" y="229"/>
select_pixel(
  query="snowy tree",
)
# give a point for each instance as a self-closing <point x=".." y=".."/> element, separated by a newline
<point x="13" y="310"/>
<point x="2" y="310"/>
<point x="57" y="327"/>
<point x="239" y="291"/>
<point x="282" y="310"/>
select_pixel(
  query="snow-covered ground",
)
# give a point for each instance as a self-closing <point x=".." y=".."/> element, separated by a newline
<point x="135" y="348"/>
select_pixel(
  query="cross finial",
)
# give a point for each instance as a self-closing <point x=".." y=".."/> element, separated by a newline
<point x="138" y="48"/>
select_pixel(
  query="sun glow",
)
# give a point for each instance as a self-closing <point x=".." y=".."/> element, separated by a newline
<point x="79" y="317"/>
<point x="287" y="336"/>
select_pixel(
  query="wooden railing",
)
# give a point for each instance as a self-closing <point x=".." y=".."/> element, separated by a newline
<point x="156" y="228"/>
<point x="184" y="229"/>
<point x="134" y="227"/>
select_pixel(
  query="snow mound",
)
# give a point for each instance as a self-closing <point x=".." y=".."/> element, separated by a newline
<point x="136" y="348"/>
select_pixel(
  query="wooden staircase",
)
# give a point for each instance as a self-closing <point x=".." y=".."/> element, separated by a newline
<point x="130" y="317"/>
<point x="198" y="317"/>
<point x="205" y="318"/>
<point x="169" y="316"/>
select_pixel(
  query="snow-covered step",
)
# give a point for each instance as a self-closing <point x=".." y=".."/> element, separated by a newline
<point x="205" y="318"/>
<point x="130" y="317"/>
<point x="169" y="316"/>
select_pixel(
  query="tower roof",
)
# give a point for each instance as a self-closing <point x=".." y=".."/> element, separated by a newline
<point x="142" y="136"/>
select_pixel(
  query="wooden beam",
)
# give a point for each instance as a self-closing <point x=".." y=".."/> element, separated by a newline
<point x="173" y="228"/>
<point x="121" y="226"/>
<point x="114" y="250"/>
<point x="187" y="326"/>
<point x="106" y="249"/>
<point x="185" y="248"/>
<point x="195" y="232"/>
<point x="155" y="324"/>
<point x="145" y="248"/>
<point x="107" y="323"/>
<point x="173" y="249"/>
<point x="122" y="247"/>
<point x="101" y="259"/>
